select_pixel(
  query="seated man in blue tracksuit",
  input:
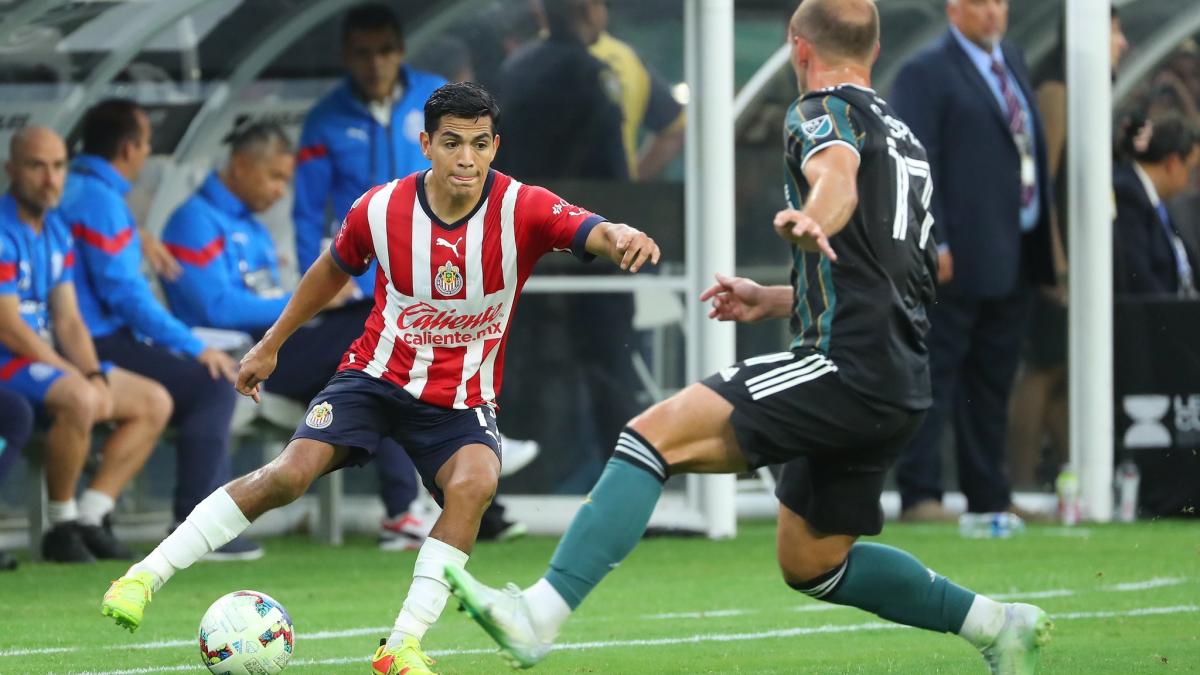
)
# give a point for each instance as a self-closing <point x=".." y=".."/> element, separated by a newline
<point x="231" y="280"/>
<point x="130" y="326"/>
<point x="364" y="133"/>
<point x="230" y="275"/>
<point x="47" y="357"/>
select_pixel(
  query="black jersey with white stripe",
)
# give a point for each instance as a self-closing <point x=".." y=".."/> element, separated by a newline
<point x="866" y="312"/>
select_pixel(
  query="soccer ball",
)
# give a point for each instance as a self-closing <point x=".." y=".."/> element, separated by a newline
<point x="246" y="633"/>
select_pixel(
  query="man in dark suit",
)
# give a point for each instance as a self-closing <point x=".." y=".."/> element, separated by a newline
<point x="967" y="97"/>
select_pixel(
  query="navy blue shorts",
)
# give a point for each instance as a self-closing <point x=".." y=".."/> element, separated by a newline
<point x="358" y="411"/>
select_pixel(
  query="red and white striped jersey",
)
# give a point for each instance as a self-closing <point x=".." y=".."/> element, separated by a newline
<point x="444" y="293"/>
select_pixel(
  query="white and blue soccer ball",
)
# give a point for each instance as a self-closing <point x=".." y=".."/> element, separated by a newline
<point x="246" y="633"/>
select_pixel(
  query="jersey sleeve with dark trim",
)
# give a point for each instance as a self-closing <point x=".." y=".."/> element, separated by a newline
<point x="553" y="223"/>
<point x="820" y="121"/>
<point x="353" y="248"/>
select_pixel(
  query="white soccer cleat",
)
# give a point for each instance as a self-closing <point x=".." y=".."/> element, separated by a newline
<point x="517" y="454"/>
<point x="1016" y="650"/>
<point x="505" y="616"/>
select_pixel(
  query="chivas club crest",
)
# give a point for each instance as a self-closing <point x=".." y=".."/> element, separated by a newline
<point x="320" y="416"/>
<point x="448" y="281"/>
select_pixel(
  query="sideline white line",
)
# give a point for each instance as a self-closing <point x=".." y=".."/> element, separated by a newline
<point x="691" y="639"/>
<point x="1032" y="595"/>
<point x="1157" y="582"/>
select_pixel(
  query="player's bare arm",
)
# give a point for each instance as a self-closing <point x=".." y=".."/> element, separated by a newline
<point x="320" y="284"/>
<point x="746" y="301"/>
<point x="20" y="339"/>
<point x="833" y="174"/>
<point x="628" y="247"/>
<point x="70" y="332"/>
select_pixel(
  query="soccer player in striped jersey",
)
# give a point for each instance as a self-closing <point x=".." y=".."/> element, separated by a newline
<point x="835" y="409"/>
<point x="455" y="244"/>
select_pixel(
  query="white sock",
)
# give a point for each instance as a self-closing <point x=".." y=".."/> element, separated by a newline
<point x="429" y="591"/>
<point x="62" y="512"/>
<point x="212" y="524"/>
<point x="93" y="506"/>
<point x="548" y="609"/>
<point x="984" y="621"/>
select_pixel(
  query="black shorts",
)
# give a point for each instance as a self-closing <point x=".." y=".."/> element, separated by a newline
<point x="835" y="445"/>
<point x="358" y="411"/>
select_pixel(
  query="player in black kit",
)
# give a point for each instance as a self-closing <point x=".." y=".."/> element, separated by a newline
<point x="835" y="410"/>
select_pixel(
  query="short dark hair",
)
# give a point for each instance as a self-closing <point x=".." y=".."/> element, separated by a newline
<point x="371" y="16"/>
<point x="1155" y="138"/>
<point x="109" y="125"/>
<point x="562" y="15"/>
<point x="258" y="137"/>
<point x="838" y="28"/>
<point x="460" y="99"/>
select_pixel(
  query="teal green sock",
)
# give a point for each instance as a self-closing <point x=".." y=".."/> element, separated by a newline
<point x="896" y="586"/>
<point x="611" y="521"/>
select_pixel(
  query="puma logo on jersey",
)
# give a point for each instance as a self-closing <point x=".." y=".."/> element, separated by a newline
<point x="452" y="247"/>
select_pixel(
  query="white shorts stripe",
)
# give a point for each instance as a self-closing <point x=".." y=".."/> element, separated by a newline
<point x="793" y="382"/>
<point x="790" y="375"/>
<point x="768" y="358"/>
<point x="783" y="369"/>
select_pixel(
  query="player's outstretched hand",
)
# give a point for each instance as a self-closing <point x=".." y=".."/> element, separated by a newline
<point x="796" y="227"/>
<point x="637" y="247"/>
<point x="256" y="366"/>
<point x="736" y="299"/>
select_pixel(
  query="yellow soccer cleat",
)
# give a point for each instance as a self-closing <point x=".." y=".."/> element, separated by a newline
<point x="408" y="659"/>
<point x="127" y="598"/>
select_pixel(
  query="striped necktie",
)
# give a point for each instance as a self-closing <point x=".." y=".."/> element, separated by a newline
<point x="1017" y="123"/>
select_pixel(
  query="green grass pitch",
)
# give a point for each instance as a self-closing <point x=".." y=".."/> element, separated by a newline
<point x="1126" y="599"/>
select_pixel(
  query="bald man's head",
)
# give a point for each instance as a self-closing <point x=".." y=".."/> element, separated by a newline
<point x="839" y="30"/>
<point x="37" y="169"/>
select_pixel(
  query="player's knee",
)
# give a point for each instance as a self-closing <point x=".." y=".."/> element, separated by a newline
<point x="472" y="488"/>
<point x="76" y="403"/>
<point x="801" y="569"/>
<point x="282" y="482"/>
<point x="654" y="425"/>
<point x="155" y="404"/>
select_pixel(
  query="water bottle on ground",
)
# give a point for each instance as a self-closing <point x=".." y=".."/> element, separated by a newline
<point x="1127" y="480"/>
<point x="1067" y="487"/>
<point x="990" y="525"/>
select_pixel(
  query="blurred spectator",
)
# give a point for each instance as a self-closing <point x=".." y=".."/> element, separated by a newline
<point x="130" y="326"/>
<point x="562" y="120"/>
<point x="47" y="356"/>
<point x="1158" y="155"/>
<point x="968" y="99"/>
<point x="1038" y="409"/>
<point x="494" y="33"/>
<point x="562" y="117"/>
<point x="447" y="57"/>
<point x="363" y="133"/>
<point x="646" y="103"/>
<point x="15" y="428"/>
